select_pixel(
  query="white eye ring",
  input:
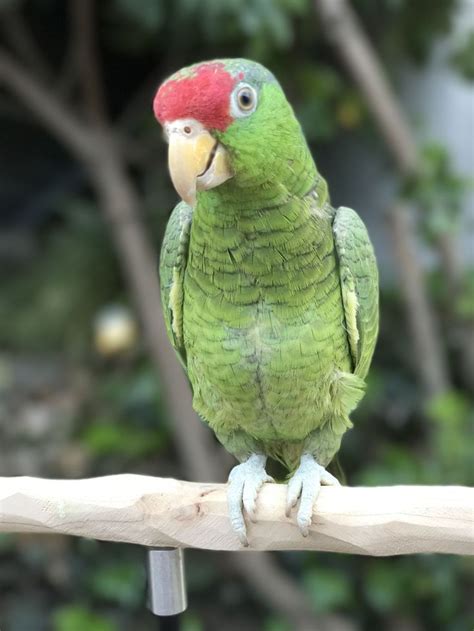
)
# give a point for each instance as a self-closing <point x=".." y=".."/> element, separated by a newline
<point x="244" y="100"/>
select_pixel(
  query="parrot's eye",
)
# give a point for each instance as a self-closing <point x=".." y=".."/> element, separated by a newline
<point x="244" y="100"/>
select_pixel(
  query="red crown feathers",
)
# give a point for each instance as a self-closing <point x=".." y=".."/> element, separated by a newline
<point x="204" y="96"/>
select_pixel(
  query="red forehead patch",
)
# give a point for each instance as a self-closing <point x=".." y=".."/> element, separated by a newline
<point x="204" y="96"/>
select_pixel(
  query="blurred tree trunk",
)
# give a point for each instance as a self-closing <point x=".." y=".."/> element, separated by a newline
<point x="360" y="59"/>
<point x="424" y="332"/>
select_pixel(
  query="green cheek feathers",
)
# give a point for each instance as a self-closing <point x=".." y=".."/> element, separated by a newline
<point x="268" y="149"/>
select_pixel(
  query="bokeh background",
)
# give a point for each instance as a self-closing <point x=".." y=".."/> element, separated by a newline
<point x="88" y="384"/>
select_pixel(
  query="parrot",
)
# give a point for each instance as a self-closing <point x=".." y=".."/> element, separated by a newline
<point x="269" y="293"/>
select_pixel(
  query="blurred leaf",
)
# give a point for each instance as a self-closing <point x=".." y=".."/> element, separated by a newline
<point x="104" y="438"/>
<point x="319" y="81"/>
<point x="191" y="622"/>
<point x="394" y="465"/>
<point x="131" y="388"/>
<point x="6" y="541"/>
<point x="200" y="575"/>
<point x="453" y="416"/>
<point x="276" y="624"/>
<point x="463" y="58"/>
<point x="321" y="87"/>
<point x="9" y="4"/>
<point x="78" y="618"/>
<point x="295" y="7"/>
<point x="148" y="14"/>
<point x="451" y="407"/>
<point x="465" y="302"/>
<point x="51" y="303"/>
<point x="438" y="191"/>
<point x="384" y="588"/>
<point x="328" y="589"/>
<point x="143" y="389"/>
<point x="119" y="582"/>
<point x="132" y="27"/>
<point x="350" y="111"/>
<point x="407" y="28"/>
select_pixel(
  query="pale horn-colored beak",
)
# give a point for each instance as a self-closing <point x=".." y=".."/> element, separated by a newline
<point x="196" y="160"/>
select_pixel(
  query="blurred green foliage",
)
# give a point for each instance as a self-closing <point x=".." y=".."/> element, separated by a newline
<point x="329" y="589"/>
<point x="78" y="618"/>
<point x="119" y="582"/>
<point x="49" y="300"/>
<point x="405" y="28"/>
<point x="74" y="273"/>
<point x="128" y="420"/>
<point x="463" y="57"/>
<point x="438" y="191"/>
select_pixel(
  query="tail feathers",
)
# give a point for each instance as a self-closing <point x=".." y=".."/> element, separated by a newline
<point x="346" y="392"/>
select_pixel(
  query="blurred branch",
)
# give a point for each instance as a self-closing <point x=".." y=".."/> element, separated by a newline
<point x="10" y="108"/>
<point x="423" y="328"/>
<point x="347" y="35"/>
<point x="20" y="39"/>
<point x="462" y="328"/>
<point x="133" y="110"/>
<point x="86" y="58"/>
<point x="101" y="157"/>
<point x="51" y="112"/>
<point x="377" y="521"/>
<point x="282" y="593"/>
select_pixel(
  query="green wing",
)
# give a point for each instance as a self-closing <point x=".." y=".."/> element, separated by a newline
<point x="359" y="285"/>
<point x="173" y="260"/>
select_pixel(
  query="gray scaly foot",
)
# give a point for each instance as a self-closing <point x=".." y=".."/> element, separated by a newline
<point x="245" y="481"/>
<point x="306" y="483"/>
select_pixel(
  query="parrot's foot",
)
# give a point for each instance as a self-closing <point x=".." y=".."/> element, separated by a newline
<point x="306" y="482"/>
<point x="245" y="481"/>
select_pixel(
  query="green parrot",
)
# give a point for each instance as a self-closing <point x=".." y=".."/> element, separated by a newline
<point x="270" y="294"/>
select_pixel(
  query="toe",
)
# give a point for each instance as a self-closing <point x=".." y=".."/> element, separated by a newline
<point x="307" y="483"/>
<point x="251" y="489"/>
<point x="309" y="494"/>
<point x="293" y="493"/>
<point x="328" y="479"/>
<point x="238" y="523"/>
<point x="245" y="481"/>
<point x="234" y="501"/>
<point x="304" y="523"/>
<point x="249" y="498"/>
<point x="242" y="535"/>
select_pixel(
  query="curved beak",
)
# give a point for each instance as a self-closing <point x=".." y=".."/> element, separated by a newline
<point x="196" y="160"/>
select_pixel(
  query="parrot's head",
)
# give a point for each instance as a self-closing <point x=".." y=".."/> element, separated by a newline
<point x="227" y="121"/>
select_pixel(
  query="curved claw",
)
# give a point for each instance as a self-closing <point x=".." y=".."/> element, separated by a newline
<point x="306" y="483"/>
<point x="294" y="491"/>
<point x="245" y="481"/>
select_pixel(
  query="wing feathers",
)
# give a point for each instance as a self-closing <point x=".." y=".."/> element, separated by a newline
<point x="173" y="260"/>
<point x="359" y="286"/>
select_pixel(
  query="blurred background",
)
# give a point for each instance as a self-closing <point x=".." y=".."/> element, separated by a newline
<point x="89" y="385"/>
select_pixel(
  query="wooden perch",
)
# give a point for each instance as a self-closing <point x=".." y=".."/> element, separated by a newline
<point x="150" y="511"/>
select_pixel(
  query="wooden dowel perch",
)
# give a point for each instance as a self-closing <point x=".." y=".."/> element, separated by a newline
<point x="165" y="512"/>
